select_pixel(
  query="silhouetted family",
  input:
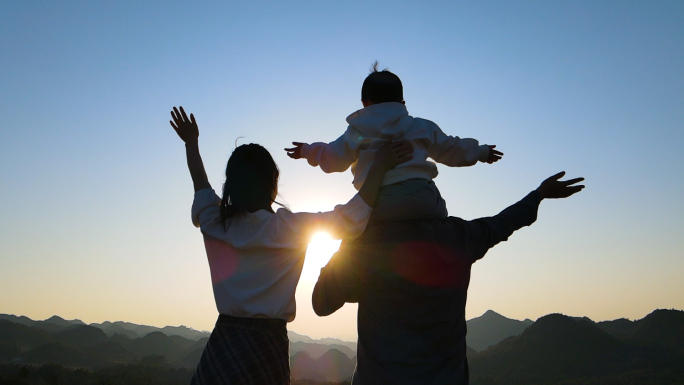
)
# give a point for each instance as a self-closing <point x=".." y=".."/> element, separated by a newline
<point x="403" y="259"/>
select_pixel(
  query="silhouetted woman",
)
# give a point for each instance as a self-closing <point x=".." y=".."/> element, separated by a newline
<point x="256" y="255"/>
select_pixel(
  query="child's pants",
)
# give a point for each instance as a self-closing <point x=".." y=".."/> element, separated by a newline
<point x="412" y="199"/>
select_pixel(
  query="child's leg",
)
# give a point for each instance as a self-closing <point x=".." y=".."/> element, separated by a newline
<point x="413" y="199"/>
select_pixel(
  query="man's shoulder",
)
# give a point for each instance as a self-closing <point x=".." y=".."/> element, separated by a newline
<point x="401" y="231"/>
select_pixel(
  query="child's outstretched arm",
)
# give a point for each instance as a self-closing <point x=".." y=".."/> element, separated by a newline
<point x="459" y="152"/>
<point x="188" y="131"/>
<point x="335" y="156"/>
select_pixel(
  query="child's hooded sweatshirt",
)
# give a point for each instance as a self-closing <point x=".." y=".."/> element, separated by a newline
<point x="370" y="127"/>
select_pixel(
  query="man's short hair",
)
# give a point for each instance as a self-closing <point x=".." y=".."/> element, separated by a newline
<point x="382" y="86"/>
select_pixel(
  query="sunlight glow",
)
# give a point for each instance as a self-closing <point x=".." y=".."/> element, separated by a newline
<point x="320" y="250"/>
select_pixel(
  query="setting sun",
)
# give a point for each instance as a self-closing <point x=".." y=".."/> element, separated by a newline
<point x="320" y="250"/>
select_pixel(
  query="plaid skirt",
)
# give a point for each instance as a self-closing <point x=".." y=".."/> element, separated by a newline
<point x="245" y="351"/>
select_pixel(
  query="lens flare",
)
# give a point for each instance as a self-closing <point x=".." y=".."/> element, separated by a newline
<point x="320" y="250"/>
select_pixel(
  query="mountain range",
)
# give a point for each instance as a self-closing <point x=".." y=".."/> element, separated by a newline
<point x="131" y="330"/>
<point x="557" y="349"/>
<point x="554" y="349"/>
<point x="73" y="343"/>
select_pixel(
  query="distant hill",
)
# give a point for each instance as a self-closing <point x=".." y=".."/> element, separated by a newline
<point x="618" y="328"/>
<point x="662" y="327"/>
<point x="23" y="337"/>
<point x="554" y="347"/>
<point x="492" y="328"/>
<point x="134" y="330"/>
<point x="158" y="344"/>
<point x="317" y="350"/>
<point x="52" y="324"/>
<point x="302" y="366"/>
<point x="193" y="354"/>
<point x="559" y="349"/>
<point x="185" y="332"/>
<point x="22" y="320"/>
<point x="294" y="337"/>
<point x="112" y="329"/>
<point x="81" y="336"/>
<point x="333" y="366"/>
<point x="336" y="365"/>
<point x="60" y="322"/>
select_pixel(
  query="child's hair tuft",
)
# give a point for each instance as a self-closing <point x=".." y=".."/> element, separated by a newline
<point x="374" y="67"/>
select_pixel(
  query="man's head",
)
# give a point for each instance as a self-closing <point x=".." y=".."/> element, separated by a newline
<point x="381" y="87"/>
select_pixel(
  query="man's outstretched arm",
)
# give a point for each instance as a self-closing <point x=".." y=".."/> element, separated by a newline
<point x="553" y="188"/>
<point x="485" y="233"/>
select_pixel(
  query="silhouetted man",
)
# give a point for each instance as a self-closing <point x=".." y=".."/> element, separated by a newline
<point x="410" y="280"/>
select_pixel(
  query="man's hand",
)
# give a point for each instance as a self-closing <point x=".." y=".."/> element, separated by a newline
<point x="186" y="128"/>
<point x="296" y="151"/>
<point x="553" y="188"/>
<point x="393" y="153"/>
<point x="493" y="155"/>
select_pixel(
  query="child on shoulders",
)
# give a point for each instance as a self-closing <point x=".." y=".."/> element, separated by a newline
<point x="408" y="192"/>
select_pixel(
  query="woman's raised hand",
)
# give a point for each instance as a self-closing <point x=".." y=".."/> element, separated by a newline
<point x="186" y="128"/>
<point x="393" y="153"/>
<point x="389" y="155"/>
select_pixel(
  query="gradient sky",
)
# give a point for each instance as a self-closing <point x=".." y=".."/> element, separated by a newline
<point x="95" y="198"/>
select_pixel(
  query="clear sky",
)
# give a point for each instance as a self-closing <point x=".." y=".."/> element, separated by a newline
<point x="95" y="197"/>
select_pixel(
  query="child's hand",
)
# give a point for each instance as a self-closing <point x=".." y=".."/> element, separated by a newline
<point x="393" y="153"/>
<point x="494" y="155"/>
<point x="186" y="128"/>
<point x="296" y="151"/>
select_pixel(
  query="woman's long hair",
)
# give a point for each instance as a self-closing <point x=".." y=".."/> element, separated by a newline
<point x="251" y="181"/>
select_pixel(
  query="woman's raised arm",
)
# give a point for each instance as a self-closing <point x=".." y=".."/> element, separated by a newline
<point x="188" y="131"/>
